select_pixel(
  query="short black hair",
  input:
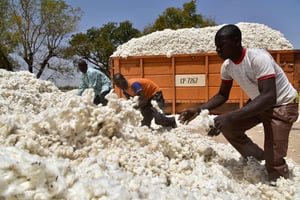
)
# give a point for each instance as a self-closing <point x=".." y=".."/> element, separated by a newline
<point x="118" y="76"/>
<point x="231" y="31"/>
<point x="82" y="62"/>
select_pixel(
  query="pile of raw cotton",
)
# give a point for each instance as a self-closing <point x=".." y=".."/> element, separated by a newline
<point x="197" y="40"/>
<point x="56" y="145"/>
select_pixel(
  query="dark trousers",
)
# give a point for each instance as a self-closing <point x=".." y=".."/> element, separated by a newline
<point x="277" y="122"/>
<point x="101" y="98"/>
<point x="149" y="113"/>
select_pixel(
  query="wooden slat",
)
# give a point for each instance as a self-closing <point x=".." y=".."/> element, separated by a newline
<point x="190" y="93"/>
<point x="155" y="69"/>
<point x="161" y="80"/>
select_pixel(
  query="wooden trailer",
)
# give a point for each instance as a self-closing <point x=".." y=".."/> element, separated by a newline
<point x="190" y="79"/>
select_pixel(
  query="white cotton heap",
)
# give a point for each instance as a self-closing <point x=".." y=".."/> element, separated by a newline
<point x="57" y="145"/>
<point x="200" y="40"/>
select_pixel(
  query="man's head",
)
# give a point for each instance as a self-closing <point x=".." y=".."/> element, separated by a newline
<point x="82" y="66"/>
<point x="228" y="41"/>
<point x="120" y="81"/>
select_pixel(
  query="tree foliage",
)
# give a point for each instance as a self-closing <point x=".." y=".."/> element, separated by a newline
<point x="41" y="27"/>
<point x="6" y="37"/>
<point x="98" y="44"/>
<point x="176" y="18"/>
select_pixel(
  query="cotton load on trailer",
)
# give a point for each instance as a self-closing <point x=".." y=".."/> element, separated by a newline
<point x="190" y="79"/>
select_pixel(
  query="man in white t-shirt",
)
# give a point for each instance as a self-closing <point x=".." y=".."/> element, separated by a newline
<point x="273" y="102"/>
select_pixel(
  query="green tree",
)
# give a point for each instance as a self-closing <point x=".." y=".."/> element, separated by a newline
<point x="42" y="26"/>
<point x="98" y="44"/>
<point x="176" y="18"/>
<point x="6" y="38"/>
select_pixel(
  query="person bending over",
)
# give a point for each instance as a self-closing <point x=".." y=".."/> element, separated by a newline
<point x="147" y="91"/>
<point x="274" y="102"/>
<point x="94" y="78"/>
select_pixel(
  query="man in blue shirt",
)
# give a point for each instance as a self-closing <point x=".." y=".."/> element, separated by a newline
<point x="94" y="78"/>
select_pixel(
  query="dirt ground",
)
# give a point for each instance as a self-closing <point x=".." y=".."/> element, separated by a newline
<point x="256" y="134"/>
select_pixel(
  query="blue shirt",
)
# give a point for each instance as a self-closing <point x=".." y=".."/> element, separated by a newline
<point x="95" y="79"/>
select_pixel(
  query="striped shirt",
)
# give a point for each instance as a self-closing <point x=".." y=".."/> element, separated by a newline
<point x="255" y="65"/>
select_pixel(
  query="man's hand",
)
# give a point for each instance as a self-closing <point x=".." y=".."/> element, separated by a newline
<point x="221" y="123"/>
<point x="213" y="131"/>
<point x="224" y="122"/>
<point x="136" y="106"/>
<point x="188" y="115"/>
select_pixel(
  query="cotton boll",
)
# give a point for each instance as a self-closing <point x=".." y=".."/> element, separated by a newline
<point x="36" y="173"/>
<point x="134" y="185"/>
<point x="92" y="166"/>
<point x="184" y="165"/>
<point x="169" y="53"/>
<point x="78" y="191"/>
<point x="111" y="128"/>
<point x="13" y="190"/>
<point x="38" y="194"/>
<point x="32" y="146"/>
<point x="7" y="125"/>
<point x="6" y="178"/>
<point x="55" y="173"/>
<point x="26" y="175"/>
<point x="119" y="192"/>
<point x="155" y="105"/>
<point x="81" y="153"/>
<point x="88" y="96"/>
<point x="206" y="121"/>
<point x="65" y="152"/>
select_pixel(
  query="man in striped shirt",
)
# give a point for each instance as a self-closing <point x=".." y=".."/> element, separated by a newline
<point x="273" y="102"/>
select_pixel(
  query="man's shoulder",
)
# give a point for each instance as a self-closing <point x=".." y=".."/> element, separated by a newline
<point x="134" y="80"/>
<point x="260" y="56"/>
<point x="94" y="70"/>
<point x="256" y="52"/>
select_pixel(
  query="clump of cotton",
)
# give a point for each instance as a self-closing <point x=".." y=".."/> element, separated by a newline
<point x="67" y="126"/>
<point x="61" y="146"/>
<point x="199" y="40"/>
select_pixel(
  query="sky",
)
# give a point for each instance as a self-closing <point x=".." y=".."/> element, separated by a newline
<point x="283" y="16"/>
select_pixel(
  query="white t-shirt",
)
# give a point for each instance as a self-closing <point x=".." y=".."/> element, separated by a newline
<point x="258" y="64"/>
